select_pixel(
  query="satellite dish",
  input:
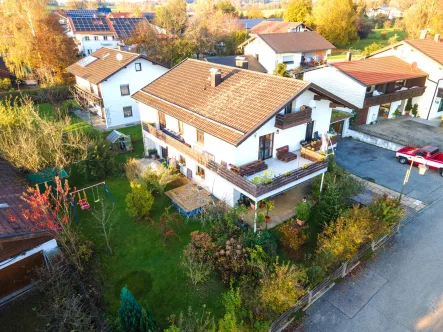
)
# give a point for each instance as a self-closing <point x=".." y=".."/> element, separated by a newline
<point x="414" y="65"/>
<point x="119" y="57"/>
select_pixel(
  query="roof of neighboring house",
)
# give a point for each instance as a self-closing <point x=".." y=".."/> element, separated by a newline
<point x="249" y="23"/>
<point x="379" y="70"/>
<point x="103" y="63"/>
<point x="120" y="14"/>
<point x="12" y="187"/>
<point x="231" y="111"/>
<point x="79" y="13"/>
<point x="291" y="42"/>
<point x="124" y="27"/>
<point x="86" y="25"/>
<point x="274" y="27"/>
<point x="229" y="60"/>
<point x="429" y="47"/>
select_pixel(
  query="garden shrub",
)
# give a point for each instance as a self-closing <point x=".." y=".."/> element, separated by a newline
<point x="231" y="261"/>
<point x="292" y="237"/>
<point x="100" y="161"/>
<point x="158" y="179"/>
<point x="133" y="170"/>
<point x="282" y="288"/>
<point x="263" y="239"/>
<point x="315" y="275"/>
<point x="192" y="321"/>
<point x="331" y="204"/>
<point x="387" y="210"/>
<point x="133" y="317"/>
<point x="139" y="201"/>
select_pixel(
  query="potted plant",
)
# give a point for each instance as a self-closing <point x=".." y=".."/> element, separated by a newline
<point x="414" y="110"/>
<point x="302" y="210"/>
<point x="260" y="219"/>
<point x="269" y="205"/>
<point x="408" y="106"/>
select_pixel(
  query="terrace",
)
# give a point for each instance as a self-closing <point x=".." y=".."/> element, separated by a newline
<point x="89" y="96"/>
<point x="307" y="165"/>
<point x="398" y="95"/>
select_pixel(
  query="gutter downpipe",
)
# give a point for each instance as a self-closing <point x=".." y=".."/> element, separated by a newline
<point x="433" y="97"/>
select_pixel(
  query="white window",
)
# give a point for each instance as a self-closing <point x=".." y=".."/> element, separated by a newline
<point x="288" y="59"/>
<point x="124" y="90"/>
<point x="89" y="51"/>
<point x="127" y="111"/>
<point x="95" y="37"/>
<point x="86" y="37"/>
<point x="138" y="66"/>
<point x="105" y="37"/>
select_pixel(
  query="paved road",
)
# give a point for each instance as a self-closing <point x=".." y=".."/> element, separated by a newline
<point x="381" y="165"/>
<point x="401" y="289"/>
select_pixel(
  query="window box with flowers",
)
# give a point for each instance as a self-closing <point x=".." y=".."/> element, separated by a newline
<point x="200" y="172"/>
<point x="182" y="161"/>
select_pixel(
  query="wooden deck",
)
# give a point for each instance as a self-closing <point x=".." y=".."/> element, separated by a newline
<point x="190" y="198"/>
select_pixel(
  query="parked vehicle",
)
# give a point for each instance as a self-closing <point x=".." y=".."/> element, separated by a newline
<point x="430" y="156"/>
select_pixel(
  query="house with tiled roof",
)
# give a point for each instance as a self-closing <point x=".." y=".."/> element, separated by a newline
<point x="22" y="247"/>
<point x="425" y="53"/>
<point x="278" y="27"/>
<point x="236" y="132"/>
<point x="295" y="49"/>
<point x="377" y="87"/>
<point x="105" y="80"/>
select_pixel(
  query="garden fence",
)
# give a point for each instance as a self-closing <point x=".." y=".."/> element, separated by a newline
<point x="315" y="293"/>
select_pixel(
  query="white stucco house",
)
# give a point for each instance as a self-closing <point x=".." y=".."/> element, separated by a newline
<point x="230" y="128"/>
<point x="376" y="87"/>
<point x="107" y="78"/>
<point x="295" y="49"/>
<point x="426" y="54"/>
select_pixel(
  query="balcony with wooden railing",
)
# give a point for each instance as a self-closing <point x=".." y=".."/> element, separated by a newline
<point x="285" y="121"/>
<point x="318" y="163"/>
<point x="394" y="96"/>
<point x="88" y="95"/>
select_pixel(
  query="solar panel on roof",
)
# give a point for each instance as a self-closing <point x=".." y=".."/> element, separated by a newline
<point x="90" y="24"/>
<point x="87" y="60"/>
<point x="81" y="13"/>
<point x="124" y="27"/>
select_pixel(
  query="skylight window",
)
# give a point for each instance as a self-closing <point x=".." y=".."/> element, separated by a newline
<point x="87" y="60"/>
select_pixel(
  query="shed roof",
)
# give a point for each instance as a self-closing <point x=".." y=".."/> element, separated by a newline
<point x="115" y="135"/>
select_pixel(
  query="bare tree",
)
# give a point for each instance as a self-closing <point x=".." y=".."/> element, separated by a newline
<point x="105" y="220"/>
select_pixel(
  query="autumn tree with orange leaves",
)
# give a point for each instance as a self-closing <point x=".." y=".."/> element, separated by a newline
<point x="33" y="43"/>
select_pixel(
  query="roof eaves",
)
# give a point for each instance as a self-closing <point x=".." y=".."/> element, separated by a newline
<point x="348" y="75"/>
<point x="315" y="88"/>
<point x="385" y="49"/>
<point x="427" y="55"/>
<point x="278" y="109"/>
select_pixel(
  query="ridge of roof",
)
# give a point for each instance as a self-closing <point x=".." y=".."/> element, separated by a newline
<point x="271" y="40"/>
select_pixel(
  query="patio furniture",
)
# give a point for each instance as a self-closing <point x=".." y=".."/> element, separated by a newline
<point x="249" y="168"/>
<point x="284" y="155"/>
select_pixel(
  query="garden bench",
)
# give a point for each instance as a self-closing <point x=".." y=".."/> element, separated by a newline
<point x="249" y="168"/>
<point x="284" y="155"/>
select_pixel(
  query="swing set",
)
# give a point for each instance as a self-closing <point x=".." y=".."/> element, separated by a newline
<point x="83" y="198"/>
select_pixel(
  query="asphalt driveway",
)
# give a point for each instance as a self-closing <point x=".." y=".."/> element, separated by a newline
<point x="371" y="162"/>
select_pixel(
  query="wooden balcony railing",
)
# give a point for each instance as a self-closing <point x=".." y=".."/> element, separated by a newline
<point x="319" y="163"/>
<point x="89" y="95"/>
<point x="285" y="121"/>
<point x="395" y="96"/>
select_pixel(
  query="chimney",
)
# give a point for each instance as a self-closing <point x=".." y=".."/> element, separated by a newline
<point x="437" y="37"/>
<point x="423" y="34"/>
<point x="215" y="77"/>
<point x="348" y="56"/>
<point x="241" y="62"/>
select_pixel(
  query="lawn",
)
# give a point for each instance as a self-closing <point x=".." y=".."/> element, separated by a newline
<point x="150" y="270"/>
<point x="360" y="45"/>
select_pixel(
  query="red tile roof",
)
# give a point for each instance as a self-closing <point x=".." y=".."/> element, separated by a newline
<point x="292" y="42"/>
<point x="379" y="70"/>
<point x="242" y="102"/>
<point x="429" y="47"/>
<point x="274" y="27"/>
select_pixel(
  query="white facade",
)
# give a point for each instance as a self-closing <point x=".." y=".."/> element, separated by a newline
<point x="270" y="59"/>
<point x="429" y="104"/>
<point x="244" y="153"/>
<point x="110" y="91"/>
<point x="89" y="43"/>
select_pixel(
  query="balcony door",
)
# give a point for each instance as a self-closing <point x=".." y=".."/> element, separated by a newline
<point x="266" y="144"/>
<point x="309" y="131"/>
<point x="162" y="120"/>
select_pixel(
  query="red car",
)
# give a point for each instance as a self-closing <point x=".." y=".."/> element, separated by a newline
<point x="430" y="156"/>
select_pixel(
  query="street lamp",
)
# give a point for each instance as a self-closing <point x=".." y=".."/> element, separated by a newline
<point x="421" y="170"/>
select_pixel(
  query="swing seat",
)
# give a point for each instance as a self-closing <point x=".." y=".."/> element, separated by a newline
<point x="82" y="202"/>
<point x="85" y="206"/>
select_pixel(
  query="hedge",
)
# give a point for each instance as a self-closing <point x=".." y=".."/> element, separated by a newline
<point x="39" y="95"/>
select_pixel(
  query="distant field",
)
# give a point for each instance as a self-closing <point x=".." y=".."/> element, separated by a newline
<point x="375" y="37"/>
<point x="267" y="12"/>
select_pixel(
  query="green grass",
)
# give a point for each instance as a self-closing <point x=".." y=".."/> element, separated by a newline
<point x="141" y="262"/>
<point x="360" y="45"/>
